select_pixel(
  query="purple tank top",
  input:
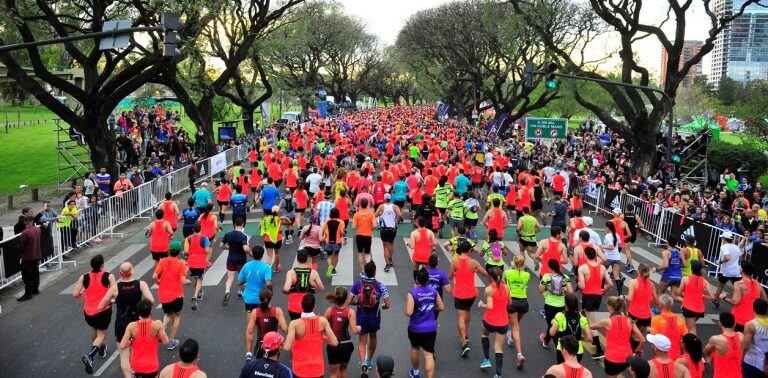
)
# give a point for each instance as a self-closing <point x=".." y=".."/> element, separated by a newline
<point x="424" y="303"/>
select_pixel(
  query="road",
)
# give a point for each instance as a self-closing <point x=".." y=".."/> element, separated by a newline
<point x="48" y="335"/>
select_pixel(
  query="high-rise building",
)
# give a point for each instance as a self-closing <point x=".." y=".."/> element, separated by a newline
<point x="690" y="48"/>
<point x="741" y="49"/>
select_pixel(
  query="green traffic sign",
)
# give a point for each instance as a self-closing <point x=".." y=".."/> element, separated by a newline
<point x="545" y="128"/>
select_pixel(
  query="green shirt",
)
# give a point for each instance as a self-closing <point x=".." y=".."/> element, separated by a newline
<point x="517" y="283"/>
<point x="441" y="195"/>
<point x="282" y="144"/>
<point x="414" y="151"/>
<point x="457" y="208"/>
<point x="454" y="240"/>
<point x="550" y="298"/>
<point x="562" y="327"/>
<point x="528" y="228"/>
<point x="488" y="253"/>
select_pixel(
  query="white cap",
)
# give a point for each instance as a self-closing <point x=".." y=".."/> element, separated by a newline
<point x="588" y="221"/>
<point x="617" y="211"/>
<point x="660" y="341"/>
<point x="204" y="183"/>
<point x="727" y="235"/>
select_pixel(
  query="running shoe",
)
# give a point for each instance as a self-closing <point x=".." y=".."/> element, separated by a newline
<point x="542" y="313"/>
<point x="174" y="343"/>
<point x="334" y="272"/>
<point x="88" y="362"/>
<point x="543" y="339"/>
<point x="329" y="272"/>
<point x="536" y="265"/>
<point x="239" y="293"/>
<point x="200" y="295"/>
<point x="386" y="268"/>
<point x="324" y="255"/>
<point x="716" y="304"/>
<point x="510" y="342"/>
<point x="496" y="376"/>
<point x="364" y="368"/>
<point x="629" y="268"/>
<point x="290" y="239"/>
<point x="486" y="364"/>
<point x="412" y="374"/>
<point x="248" y="357"/>
<point x="465" y="349"/>
<point x="194" y="304"/>
<point x="225" y="302"/>
<point x="520" y="361"/>
<point x="103" y="352"/>
<point x="655" y="310"/>
<point x="599" y="354"/>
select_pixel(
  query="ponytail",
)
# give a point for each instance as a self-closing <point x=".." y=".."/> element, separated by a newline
<point x="265" y="296"/>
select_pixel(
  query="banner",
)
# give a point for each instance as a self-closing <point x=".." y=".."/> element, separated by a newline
<point x="612" y="200"/>
<point x="442" y="109"/>
<point x="591" y="190"/>
<point x="545" y="128"/>
<point x="218" y="163"/>
<point x="760" y="261"/>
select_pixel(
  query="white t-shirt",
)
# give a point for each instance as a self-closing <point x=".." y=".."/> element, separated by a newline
<point x="314" y="182"/>
<point x="730" y="268"/>
<point x="549" y="172"/>
<point x="611" y="254"/>
<point x="594" y="238"/>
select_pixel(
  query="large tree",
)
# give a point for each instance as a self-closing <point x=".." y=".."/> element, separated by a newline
<point x="348" y="58"/>
<point x="642" y="110"/>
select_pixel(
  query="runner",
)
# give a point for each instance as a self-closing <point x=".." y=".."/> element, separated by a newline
<point x="438" y="279"/>
<point x="169" y="275"/>
<point x="725" y="349"/>
<point x="641" y="293"/>
<point x="554" y="285"/>
<point x="690" y="253"/>
<point x="343" y="205"/>
<point x="342" y="319"/>
<point x="189" y="216"/>
<point x="672" y="265"/>
<point x="594" y="281"/>
<point x="143" y="337"/>
<point x="693" y="356"/>
<point x="456" y="210"/>
<point x="620" y="332"/>
<point x="236" y="242"/>
<point x="126" y="294"/>
<point x="300" y="281"/>
<point x="202" y="197"/>
<point x="422" y="306"/>
<point x="494" y="251"/>
<point x="197" y="248"/>
<point x="262" y="320"/>
<point x="305" y="340"/>
<point x="268" y="365"/>
<point x="189" y="353"/>
<point x="442" y="193"/>
<point x="92" y="287"/>
<point x="288" y="204"/>
<point x="670" y="325"/>
<point x="623" y="232"/>
<point x="160" y="234"/>
<point x="527" y="228"/>
<point x="728" y="263"/>
<point x="270" y="230"/>
<point x="575" y="222"/>
<point x="388" y="214"/>
<point x="472" y="206"/>
<point x="662" y="364"/>
<point x="495" y="319"/>
<point x="368" y="293"/>
<point x="309" y="237"/>
<point x="495" y="219"/>
<point x="744" y="294"/>
<point x="302" y="203"/>
<point x="255" y="179"/>
<point x="694" y="290"/>
<point x="462" y="272"/>
<point x="423" y="242"/>
<point x="551" y="249"/>
<point x="755" y="342"/>
<point x="363" y="222"/>
<point x="171" y="211"/>
<point x="223" y="192"/>
<point x="632" y="222"/>
<point x="254" y="277"/>
<point x="452" y="244"/>
<point x="209" y="226"/>
<point x="570" y="322"/>
<point x="612" y="255"/>
<point x="239" y="202"/>
<point x="332" y="233"/>
<point x="516" y="279"/>
<point x="570" y="367"/>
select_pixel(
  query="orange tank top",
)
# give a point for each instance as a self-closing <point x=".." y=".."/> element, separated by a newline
<point x="617" y="223"/>
<point x="552" y="253"/>
<point x="743" y="312"/>
<point x="159" y="240"/>
<point x="196" y="258"/>
<point x="640" y="306"/>
<point x="94" y="293"/>
<point x="224" y="192"/>
<point x="617" y="346"/>
<point x="696" y="370"/>
<point x="664" y="369"/>
<point x="182" y="372"/>
<point x="497" y="316"/>
<point x="169" y="215"/>
<point x="729" y="365"/>
<point x="464" y="280"/>
<point x="307" y="355"/>
<point x="693" y="298"/>
<point x="496" y="222"/>
<point x="422" y="248"/>
<point x="572" y="372"/>
<point x="144" y="349"/>
<point x="579" y="224"/>
<point x="594" y="284"/>
<point x="207" y="227"/>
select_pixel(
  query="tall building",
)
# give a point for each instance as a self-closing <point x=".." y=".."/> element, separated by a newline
<point x="741" y="50"/>
<point x="690" y="48"/>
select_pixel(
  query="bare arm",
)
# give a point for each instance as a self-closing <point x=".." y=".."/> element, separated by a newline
<point x="409" y="304"/>
<point x="126" y="341"/>
<point x="318" y="283"/>
<point x="328" y="332"/>
<point x="281" y="319"/>
<point x="289" y="277"/>
<point x="78" y="291"/>
<point x="290" y="337"/>
<point x="111" y="293"/>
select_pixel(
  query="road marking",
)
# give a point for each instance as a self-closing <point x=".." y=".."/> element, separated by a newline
<point x="106" y="364"/>
<point x="377" y="252"/>
<point x="513" y="247"/>
<point x="217" y="271"/>
<point x="113" y="262"/>
<point x="345" y="267"/>
<point x="144" y="266"/>
<point x="449" y="256"/>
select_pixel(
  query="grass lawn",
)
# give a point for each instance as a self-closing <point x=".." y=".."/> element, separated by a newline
<point x="730" y="137"/>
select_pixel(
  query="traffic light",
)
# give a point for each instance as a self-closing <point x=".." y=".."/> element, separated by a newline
<point x="171" y="27"/>
<point x="528" y="75"/>
<point x="549" y="74"/>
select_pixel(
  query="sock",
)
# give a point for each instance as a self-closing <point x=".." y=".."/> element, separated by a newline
<point x="285" y="233"/>
<point x="634" y="343"/>
<point x="290" y="232"/>
<point x="221" y="215"/>
<point x="619" y="286"/>
<point x="226" y="291"/>
<point x="415" y="371"/>
<point x="93" y="351"/>
<point x="596" y="343"/>
<point x="499" y="362"/>
<point x="414" y="275"/>
<point x="486" y="346"/>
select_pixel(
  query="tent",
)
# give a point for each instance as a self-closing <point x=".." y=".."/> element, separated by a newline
<point x="698" y="124"/>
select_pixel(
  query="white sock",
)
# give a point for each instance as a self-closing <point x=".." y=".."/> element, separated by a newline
<point x="415" y="371"/>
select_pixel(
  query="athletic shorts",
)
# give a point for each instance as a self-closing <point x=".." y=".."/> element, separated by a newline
<point x="250" y="306"/>
<point x="609" y="262"/>
<point x="750" y="371"/>
<point x="441" y="210"/>
<point x="234" y="267"/>
<point x="688" y="314"/>
<point x="724" y="280"/>
<point x="425" y="341"/>
<point x="613" y="368"/>
<point x="196" y="272"/>
<point x="278" y="183"/>
<point x="186" y="231"/>
<point x="631" y="239"/>
<point x="99" y="321"/>
<point x="641" y="322"/>
<point x="400" y="204"/>
<point x="222" y="203"/>
<point x="477" y="185"/>
<point x="387" y="235"/>
<point x="120" y="325"/>
<point x="333" y="248"/>
<point x="159" y="255"/>
<point x="363" y="244"/>
<point x="301" y="210"/>
<point x="525" y="243"/>
<point x="671" y="281"/>
<point x="464" y="304"/>
<point x="145" y="375"/>
<point x="517" y="306"/>
<point x="511" y="207"/>
<point x="591" y="302"/>
<point x="495" y="329"/>
<point x="173" y="307"/>
<point x="557" y="193"/>
<point x="293" y="315"/>
<point x="273" y="245"/>
<point x="312" y="252"/>
<point x="340" y="354"/>
<point x="470" y="222"/>
<point x="455" y="223"/>
<point x="368" y="320"/>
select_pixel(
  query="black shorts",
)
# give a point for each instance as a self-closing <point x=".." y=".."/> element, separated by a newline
<point x="173" y="307"/>
<point x="293" y="315"/>
<point x="470" y="222"/>
<point x="250" y="306"/>
<point x="145" y="375"/>
<point x="300" y="210"/>
<point x="159" y="255"/>
<point x="557" y="193"/>
<point x="234" y="267"/>
<point x="196" y="272"/>
<point x="495" y="329"/>
<point x="631" y="239"/>
<point x="464" y="304"/>
<point x="400" y="204"/>
<point x="99" y="321"/>
<point x="388" y="235"/>
<point x="363" y="244"/>
<point x="222" y="203"/>
<point x="477" y="185"/>
<point x="441" y="210"/>
<point x="312" y="252"/>
<point x="120" y="325"/>
<point x="525" y="243"/>
<point x="273" y="245"/>
<point x="613" y="368"/>
<point x="692" y="314"/>
<point x="671" y="282"/>
<point x="278" y="183"/>
<point x="340" y="354"/>
<point x="591" y="302"/>
<point x="641" y="322"/>
<point x="724" y="280"/>
<point x="186" y="231"/>
<point x="517" y="306"/>
<point x="425" y="341"/>
<point x="536" y="206"/>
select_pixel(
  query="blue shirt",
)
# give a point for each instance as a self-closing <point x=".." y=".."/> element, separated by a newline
<point x="201" y="197"/>
<point x="381" y="291"/>
<point x="255" y="274"/>
<point x="190" y="217"/>
<point x="400" y="191"/>
<point x="106" y="177"/>
<point x="236" y="241"/>
<point x="239" y="203"/>
<point x="437" y="279"/>
<point x="269" y="197"/>
<point x="462" y="184"/>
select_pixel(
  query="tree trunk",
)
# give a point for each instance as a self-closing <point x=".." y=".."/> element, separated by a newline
<point x="304" y="108"/>
<point x="101" y="142"/>
<point x="247" y="113"/>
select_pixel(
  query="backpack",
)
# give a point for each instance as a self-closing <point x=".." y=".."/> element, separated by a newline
<point x="496" y="249"/>
<point x="289" y="205"/>
<point x="367" y="299"/>
<point x="573" y="326"/>
<point x="556" y="284"/>
<point x="238" y="206"/>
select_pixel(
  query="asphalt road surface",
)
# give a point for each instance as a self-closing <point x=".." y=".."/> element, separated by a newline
<point x="47" y="336"/>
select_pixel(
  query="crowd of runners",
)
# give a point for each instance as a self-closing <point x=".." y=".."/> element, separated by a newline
<point x="329" y="182"/>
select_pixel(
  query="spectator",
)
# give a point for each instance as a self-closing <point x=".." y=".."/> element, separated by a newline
<point x="20" y="226"/>
<point x="29" y="244"/>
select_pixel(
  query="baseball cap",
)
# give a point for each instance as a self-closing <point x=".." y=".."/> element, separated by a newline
<point x="727" y="235"/>
<point x="385" y="364"/>
<point x="272" y="341"/>
<point x="175" y="245"/>
<point x="387" y="197"/>
<point x="689" y="238"/>
<point x="204" y="183"/>
<point x="639" y="366"/>
<point x="617" y="211"/>
<point x="588" y="221"/>
<point x="275" y="209"/>
<point x="660" y="341"/>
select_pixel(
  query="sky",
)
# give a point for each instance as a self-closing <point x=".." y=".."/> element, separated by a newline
<point x="385" y="18"/>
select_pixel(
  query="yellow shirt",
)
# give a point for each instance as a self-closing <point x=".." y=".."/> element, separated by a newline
<point x="67" y="215"/>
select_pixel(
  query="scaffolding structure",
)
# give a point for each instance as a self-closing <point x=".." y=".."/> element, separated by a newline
<point x="74" y="157"/>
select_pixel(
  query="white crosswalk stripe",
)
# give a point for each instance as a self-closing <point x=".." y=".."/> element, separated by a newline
<point x="217" y="271"/>
<point x="345" y="268"/>
<point x="113" y="262"/>
<point x="377" y="253"/>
